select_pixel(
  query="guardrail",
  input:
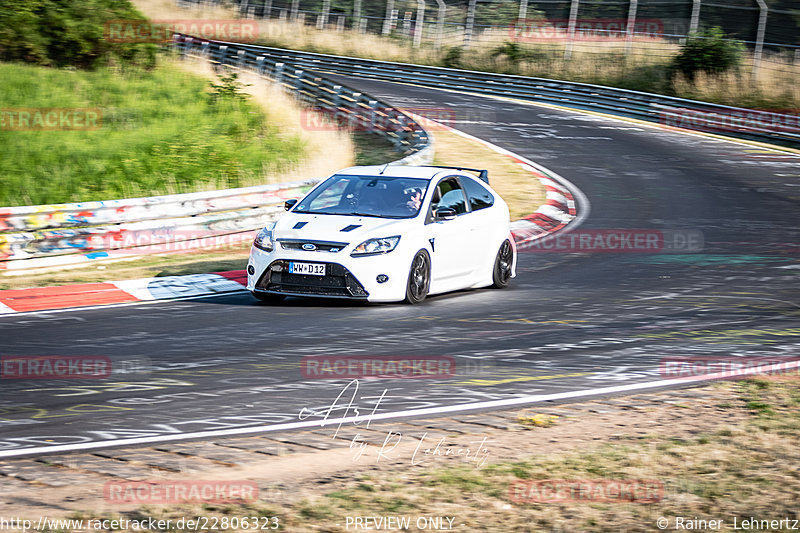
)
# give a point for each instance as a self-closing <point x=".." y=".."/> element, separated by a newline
<point x="771" y="127"/>
<point x="57" y="235"/>
<point x="44" y="235"/>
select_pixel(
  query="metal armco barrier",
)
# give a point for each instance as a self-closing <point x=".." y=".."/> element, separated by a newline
<point x="776" y="128"/>
<point x="55" y="235"/>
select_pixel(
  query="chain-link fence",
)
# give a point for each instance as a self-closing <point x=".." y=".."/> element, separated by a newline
<point x="564" y="37"/>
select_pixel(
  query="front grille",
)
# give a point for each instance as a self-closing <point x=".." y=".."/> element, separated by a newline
<point x="337" y="281"/>
<point x="319" y="246"/>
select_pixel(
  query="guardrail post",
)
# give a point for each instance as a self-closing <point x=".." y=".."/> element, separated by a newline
<point x="298" y="80"/>
<point x="282" y="15"/>
<point x="260" y="68"/>
<point x="222" y="50"/>
<point x="337" y="96"/>
<point x="694" y="22"/>
<point x="523" y="9"/>
<point x="267" y="13"/>
<point x="353" y="120"/>
<point x="240" y="60"/>
<point x="470" y="23"/>
<point x="630" y="26"/>
<point x="277" y="73"/>
<point x="373" y="107"/>
<point x="204" y="49"/>
<point x="762" y="27"/>
<point x="573" y="19"/>
<point x="295" y="9"/>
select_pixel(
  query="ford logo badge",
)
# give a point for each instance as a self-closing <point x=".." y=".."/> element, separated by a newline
<point x="309" y="247"/>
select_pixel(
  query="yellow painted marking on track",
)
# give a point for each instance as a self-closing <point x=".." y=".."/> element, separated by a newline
<point x="516" y="321"/>
<point x="490" y="382"/>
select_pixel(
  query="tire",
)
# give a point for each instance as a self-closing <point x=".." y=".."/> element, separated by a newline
<point x="419" y="278"/>
<point x="501" y="274"/>
<point x="268" y="298"/>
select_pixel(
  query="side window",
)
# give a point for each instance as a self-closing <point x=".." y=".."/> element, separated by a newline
<point x="479" y="197"/>
<point x="450" y="194"/>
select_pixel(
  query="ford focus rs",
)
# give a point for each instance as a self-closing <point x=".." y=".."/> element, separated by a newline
<point x="386" y="233"/>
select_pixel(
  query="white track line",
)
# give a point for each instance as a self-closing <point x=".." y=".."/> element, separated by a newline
<point x="389" y="416"/>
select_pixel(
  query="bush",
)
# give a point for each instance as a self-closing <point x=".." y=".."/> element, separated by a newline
<point x="709" y="52"/>
<point x="63" y="33"/>
<point x="452" y="57"/>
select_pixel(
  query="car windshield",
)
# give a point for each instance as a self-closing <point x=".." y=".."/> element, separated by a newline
<point x="369" y="196"/>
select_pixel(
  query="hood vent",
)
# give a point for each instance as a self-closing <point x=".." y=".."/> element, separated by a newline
<point x="299" y="225"/>
<point x="351" y="227"/>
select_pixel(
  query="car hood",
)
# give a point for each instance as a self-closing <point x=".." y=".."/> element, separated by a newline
<point x="336" y="228"/>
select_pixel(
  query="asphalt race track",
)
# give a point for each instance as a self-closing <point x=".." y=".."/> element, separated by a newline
<point x="568" y="321"/>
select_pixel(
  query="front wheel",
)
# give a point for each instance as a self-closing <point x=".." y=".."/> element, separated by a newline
<point x="502" y="265"/>
<point x="268" y="297"/>
<point x="419" y="278"/>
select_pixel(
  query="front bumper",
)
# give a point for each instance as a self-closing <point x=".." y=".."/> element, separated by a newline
<point x="345" y="276"/>
<point x="338" y="282"/>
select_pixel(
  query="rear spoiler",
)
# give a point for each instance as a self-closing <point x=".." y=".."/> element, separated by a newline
<point x="482" y="174"/>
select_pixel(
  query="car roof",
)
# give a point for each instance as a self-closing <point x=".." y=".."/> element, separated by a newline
<point x="402" y="171"/>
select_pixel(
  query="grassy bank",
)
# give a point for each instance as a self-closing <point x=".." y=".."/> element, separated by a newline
<point x="160" y="134"/>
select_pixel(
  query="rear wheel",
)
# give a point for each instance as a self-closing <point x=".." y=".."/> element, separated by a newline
<point x="419" y="278"/>
<point x="267" y="297"/>
<point x="502" y="265"/>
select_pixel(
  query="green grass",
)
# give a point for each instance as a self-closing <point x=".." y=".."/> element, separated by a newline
<point x="160" y="134"/>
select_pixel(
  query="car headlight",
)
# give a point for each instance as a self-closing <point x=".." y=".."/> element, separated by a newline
<point x="263" y="240"/>
<point x="376" y="246"/>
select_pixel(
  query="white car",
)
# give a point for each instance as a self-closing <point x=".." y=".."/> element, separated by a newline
<point x="386" y="234"/>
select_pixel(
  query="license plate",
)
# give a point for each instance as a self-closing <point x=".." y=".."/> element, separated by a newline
<point x="312" y="269"/>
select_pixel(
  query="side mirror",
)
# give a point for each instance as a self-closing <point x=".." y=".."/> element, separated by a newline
<point x="445" y="213"/>
<point x="289" y="203"/>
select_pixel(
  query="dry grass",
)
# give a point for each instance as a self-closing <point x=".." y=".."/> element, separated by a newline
<point x="600" y="60"/>
<point x="326" y="150"/>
